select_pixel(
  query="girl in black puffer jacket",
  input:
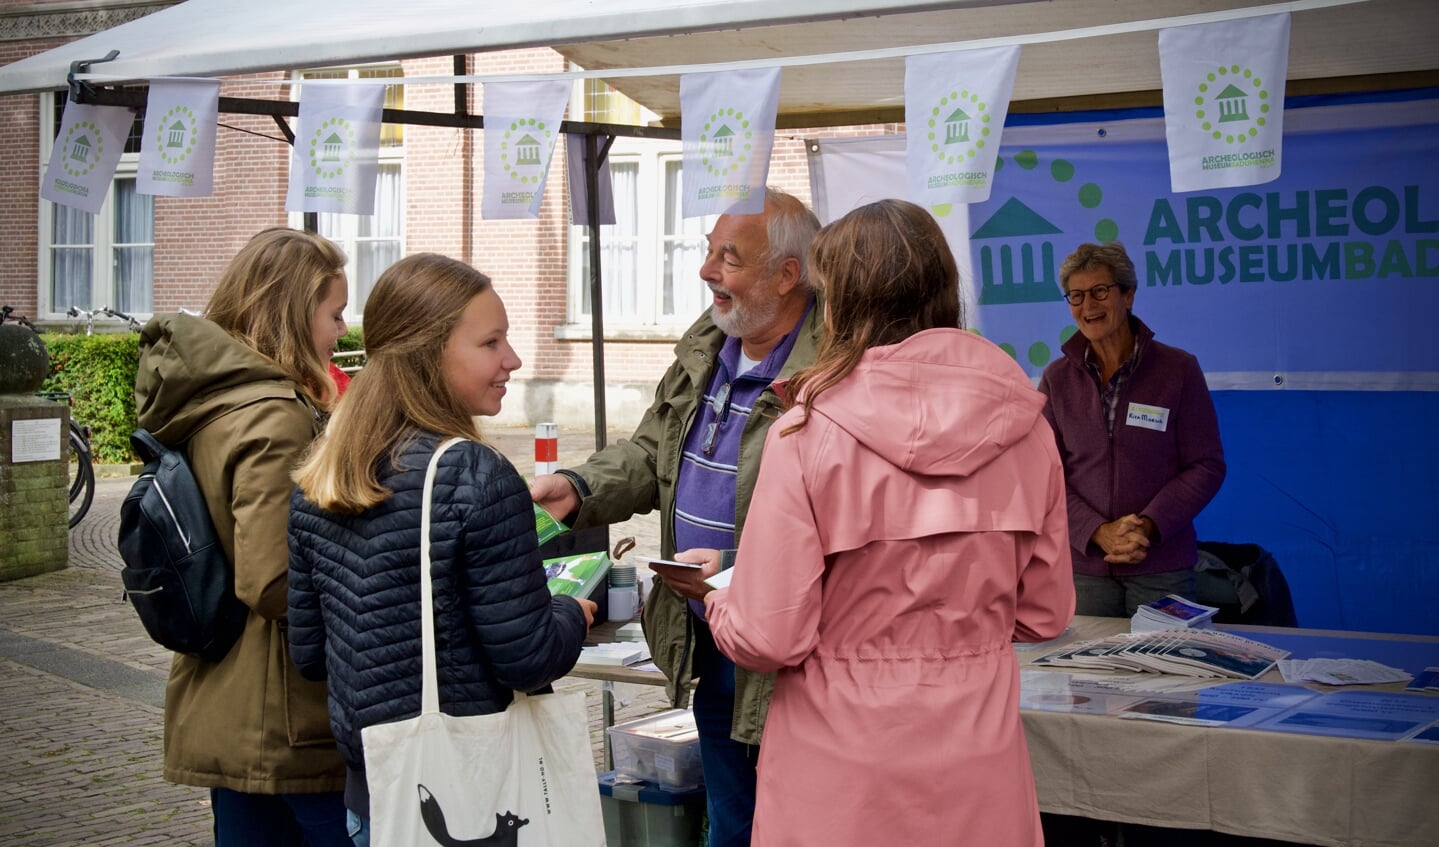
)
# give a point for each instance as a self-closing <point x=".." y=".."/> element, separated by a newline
<point x="437" y="356"/>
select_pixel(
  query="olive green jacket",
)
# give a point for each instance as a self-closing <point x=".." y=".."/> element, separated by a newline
<point x="249" y="722"/>
<point x="637" y="475"/>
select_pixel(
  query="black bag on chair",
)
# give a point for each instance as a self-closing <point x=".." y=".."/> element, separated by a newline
<point x="1245" y="582"/>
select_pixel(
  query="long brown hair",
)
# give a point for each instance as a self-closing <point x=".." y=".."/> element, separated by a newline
<point x="401" y="391"/>
<point x="885" y="272"/>
<point x="267" y="297"/>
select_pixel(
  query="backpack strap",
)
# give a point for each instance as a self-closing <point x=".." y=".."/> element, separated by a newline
<point x="145" y="445"/>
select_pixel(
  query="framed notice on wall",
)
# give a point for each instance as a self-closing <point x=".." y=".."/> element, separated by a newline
<point x="35" y="440"/>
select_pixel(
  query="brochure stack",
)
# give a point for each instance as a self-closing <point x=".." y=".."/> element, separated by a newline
<point x="1172" y="612"/>
<point x="1202" y="653"/>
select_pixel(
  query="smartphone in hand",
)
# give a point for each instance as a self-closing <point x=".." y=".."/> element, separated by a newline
<point x="649" y="560"/>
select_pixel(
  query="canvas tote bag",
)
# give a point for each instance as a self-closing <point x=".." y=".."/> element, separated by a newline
<point x="522" y="777"/>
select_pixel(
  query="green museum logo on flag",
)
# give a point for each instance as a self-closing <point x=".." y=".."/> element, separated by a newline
<point x="83" y="147"/>
<point x="958" y="128"/>
<point x="332" y="148"/>
<point x="1224" y="101"/>
<point x="525" y="153"/>
<point x="177" y="149"/>
<point x="176" y="136"/>
<point x="955" y="104"/>
<point x="726" y="141"/>
<point x="1232" y="104"/>
<point x="525" y="120"/>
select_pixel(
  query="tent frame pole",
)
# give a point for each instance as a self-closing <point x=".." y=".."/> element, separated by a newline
<point x="594" y="159"/>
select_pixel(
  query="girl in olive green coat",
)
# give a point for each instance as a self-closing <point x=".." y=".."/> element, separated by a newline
<point x="244" y="389"/>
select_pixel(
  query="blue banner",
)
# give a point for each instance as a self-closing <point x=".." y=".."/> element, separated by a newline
<point x="1323" y="279"/>
<point x="1320" y="280"/>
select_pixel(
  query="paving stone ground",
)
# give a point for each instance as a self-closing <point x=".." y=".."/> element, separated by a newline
<point x="82" y="691"/>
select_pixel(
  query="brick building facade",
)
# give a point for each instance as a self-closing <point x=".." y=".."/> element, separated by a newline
<point x="437" y="174"/>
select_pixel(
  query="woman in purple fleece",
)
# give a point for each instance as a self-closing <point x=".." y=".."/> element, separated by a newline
<point x="1139" y="439"/>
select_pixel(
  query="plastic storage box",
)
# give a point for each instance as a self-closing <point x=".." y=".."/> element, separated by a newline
<point x="642" y="814"/>
<point x="662" y="748"/>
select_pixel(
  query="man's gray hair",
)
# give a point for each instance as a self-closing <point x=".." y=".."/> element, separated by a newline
<point x="791" y="226"/>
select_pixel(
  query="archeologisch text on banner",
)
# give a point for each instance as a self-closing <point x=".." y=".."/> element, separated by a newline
<point x="1326" y="278"/>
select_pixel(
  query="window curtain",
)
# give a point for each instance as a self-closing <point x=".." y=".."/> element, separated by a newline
<point x="378" y="237"/>
<point x="134" y="248"/>
<point x="72" y="256"/>
<point x="685" y="294"/>
<point x="619" y="247"/>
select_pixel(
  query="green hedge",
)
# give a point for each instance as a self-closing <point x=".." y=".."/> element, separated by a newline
<point x="98" y="372"/>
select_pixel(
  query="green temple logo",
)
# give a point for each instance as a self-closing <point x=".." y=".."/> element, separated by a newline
<point x="726" y="142"/>
<point x="176" y="135"/>
<point x="1232" y="104"/>
<point x="722" y="144"/>
<point x="82" y="148"/>
<point x="958" y="127"/>
<point x="1011" y="269"/>
<point x="525" y="149"/>
<point x="332" y="148"/>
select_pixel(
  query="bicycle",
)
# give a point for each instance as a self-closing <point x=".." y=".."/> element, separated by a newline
<point x="87" y="314"/>
<point x="82" y="477"/>
<point x="130" y="323"/>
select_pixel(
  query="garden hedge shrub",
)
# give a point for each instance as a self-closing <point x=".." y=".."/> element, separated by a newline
<point x="98" y="372"/>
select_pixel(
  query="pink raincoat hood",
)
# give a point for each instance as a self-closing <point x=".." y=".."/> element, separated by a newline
<point x="943" y="402"/>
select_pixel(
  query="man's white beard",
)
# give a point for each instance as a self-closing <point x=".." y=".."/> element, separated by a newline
<point x="741" y="320"/>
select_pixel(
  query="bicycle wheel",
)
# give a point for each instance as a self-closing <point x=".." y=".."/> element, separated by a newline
<point x="82" y="475"/>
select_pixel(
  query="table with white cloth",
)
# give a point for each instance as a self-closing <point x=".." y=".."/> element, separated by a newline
<point x="1310" y="789"/>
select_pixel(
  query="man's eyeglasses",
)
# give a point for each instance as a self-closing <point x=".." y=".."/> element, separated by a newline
<point x="720" y="405"/>
<point x="1099" y="293"/>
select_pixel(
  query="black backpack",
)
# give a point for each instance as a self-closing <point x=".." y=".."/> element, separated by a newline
<point x="1245" y="582"/>
<point x="176" y="574"/>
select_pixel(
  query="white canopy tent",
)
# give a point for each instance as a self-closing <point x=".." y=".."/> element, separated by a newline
<point x="843" y="59"/>
<point x="1073" y="48"/>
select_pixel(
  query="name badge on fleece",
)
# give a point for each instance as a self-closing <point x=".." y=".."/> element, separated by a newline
<point x="1149" y="417"/>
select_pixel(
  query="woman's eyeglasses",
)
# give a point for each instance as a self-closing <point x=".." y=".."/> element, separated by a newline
<point x="720" y="405"/>
<point x="1099" y="293"/>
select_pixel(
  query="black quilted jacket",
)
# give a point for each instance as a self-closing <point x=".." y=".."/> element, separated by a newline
<point x="355" y="598"/>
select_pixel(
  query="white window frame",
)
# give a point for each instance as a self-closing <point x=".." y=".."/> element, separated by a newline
<point x="348" y="237"/>
<point x="103" y="245"/>
<point x="652" y="158"/>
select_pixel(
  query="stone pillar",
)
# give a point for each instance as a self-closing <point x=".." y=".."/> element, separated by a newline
<point x="34" y="486"/>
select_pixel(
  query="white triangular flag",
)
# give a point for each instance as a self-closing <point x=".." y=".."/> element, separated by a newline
<point x="177" y="149"/>
<point x="728" y="132"/>
<point x="1224" y="101"/>
<point x="337" y="149"/>
<point x="955" y="105"/>
<point x="522" y="124"/>
<point x="86" y="151"/>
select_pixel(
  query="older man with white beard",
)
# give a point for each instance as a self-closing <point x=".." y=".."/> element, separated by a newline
<point x="695" y="456"/>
